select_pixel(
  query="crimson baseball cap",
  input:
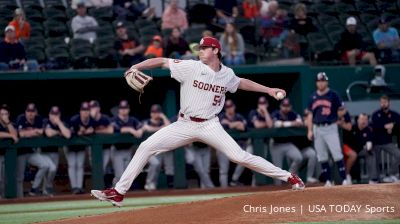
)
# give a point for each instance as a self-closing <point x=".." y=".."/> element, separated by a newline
<point x="55" y="110"/>
<point x="229" y="104"/>
<point x="321" y="76"/>
<point x="85" y="106"/>
<point x="123" y="104"/>
<point x="31" y="108"/>
<point x="210" y="42"/>
<point x="262" y="100"/>
<point x="286" y="102"/>
<point x="156" y="108"/>
<point x="94" y="103"/>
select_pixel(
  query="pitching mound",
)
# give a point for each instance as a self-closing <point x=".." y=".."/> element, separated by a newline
<point x="356" y="202"/>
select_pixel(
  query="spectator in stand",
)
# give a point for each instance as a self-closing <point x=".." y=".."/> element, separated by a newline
<point x="132" y="10"/>
<point x="232" y="45"/>
<point x="7" y="130"/>
<point x="274" y="32"/>
<point x="251" y="8"/>
<point x="383" y="123"/>
<point x="176" y="47"/>
<point x="268" y="8"/>
<point x="22" y="27"/>
<point x="12" y="53"/>
<point x="301" y="24"/>
<point x="155" y="49"/>
<point x="29" y="125"/>
<point x="173" y="16"/>
<point x="227" y="11"/>
<point x="53" y="126"/>
<point x="387" y="40"/>
<point x="351" y="45"/>
<point x="84" y="26"/>
<point x="130" y="50"/>
<point x="350" y="156"/>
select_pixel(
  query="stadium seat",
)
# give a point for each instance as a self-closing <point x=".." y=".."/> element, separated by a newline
<point x="146" y="40"/>
<point x="323" y="8"/>
<point x="82" y="57"/>
<point x="56" y="42"/>
<point x="141" y="23"/>
<point x="35" y="54"/>
<point x="52" y="13"/>
<point x="166" y="32"/>
<point x="8" y="4"/>
<point x="366" y="7"/>
<point x="367" y="17"/>
<point x="148" y="30"/>
<point x="34" y="42"/>
<point x="58" y="58"/>
<point x="248" y="33"/>
<point x="316" y="37"/>
<point x="103" y="13"/>
<point x="35" y="15"/>
<point x="323" y="19"/>
<point x="104" y="42"/>
<point x="31" y="4"/>
<point x="55" y="28"/>
<point x="106" y="57"/>
<point x="6" y="14"/>
<point x="335" y="36"/>
<point x="196" y="14"/>
<point x="395" y="23"/>
<point x="79" y="43"/>
<point x="58" y="4"/>
<point x="342" y="7"/>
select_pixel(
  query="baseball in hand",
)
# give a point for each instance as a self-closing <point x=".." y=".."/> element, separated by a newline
<point x="280" y="95"/>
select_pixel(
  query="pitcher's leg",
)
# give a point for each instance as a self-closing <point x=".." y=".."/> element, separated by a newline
<point x="221" y="141"/>
<point x="223" y="163"/>
<point x="168" y="138"/>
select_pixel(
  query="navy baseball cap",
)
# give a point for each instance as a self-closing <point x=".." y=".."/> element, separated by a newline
<point x="85" y="106"/>
<point x="123" y="104"/>
<point x="120" y="24"/>
<point x="31" y="108"/>
<point x="383" y="20"/>
<point x="54" y="110"/>
<point x="94" y="103"/>
<point x="321" y="76"/>
<point x="285" y="102"/>
<point x="262" y="100"/>
<point x="156" y="108"/>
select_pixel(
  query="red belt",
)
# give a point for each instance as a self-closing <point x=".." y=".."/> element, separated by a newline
<point x="195" y="119"/>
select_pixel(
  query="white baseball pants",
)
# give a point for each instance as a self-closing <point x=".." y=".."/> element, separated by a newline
<point x="184" y="132"/>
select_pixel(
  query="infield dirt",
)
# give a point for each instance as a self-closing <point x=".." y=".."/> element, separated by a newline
<point x="355" y="202"/>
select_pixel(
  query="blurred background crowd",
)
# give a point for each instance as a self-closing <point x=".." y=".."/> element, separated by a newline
<point x="65" y="34"/>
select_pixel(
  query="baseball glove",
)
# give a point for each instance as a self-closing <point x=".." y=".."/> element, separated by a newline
<point x="137" y="79"/>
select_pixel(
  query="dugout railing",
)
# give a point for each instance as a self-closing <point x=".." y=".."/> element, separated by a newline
<point x="96" y="142"/>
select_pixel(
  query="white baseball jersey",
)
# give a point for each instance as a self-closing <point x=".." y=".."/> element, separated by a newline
<point x="202" y="89"/>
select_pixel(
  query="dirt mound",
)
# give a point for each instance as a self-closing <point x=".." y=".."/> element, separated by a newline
<point x="355" y="202"/>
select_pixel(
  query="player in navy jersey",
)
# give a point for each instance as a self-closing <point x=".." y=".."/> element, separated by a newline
<point x="231" y="120"/>
<point x="124" y="123"/>
<point x="260" y="117"/>
<point x="323" y="129"/>
<point x="283" y="146"/>
<point x="29" y="125"/>
<point x="384" y="121"/>
<point x="80" y="125"/>
<point x="53" y="126"/>
<point x="350" y="156"/>
<point x="101" y="125"/>
<point x="7" y="130"/>
<point x="157" y="121"/>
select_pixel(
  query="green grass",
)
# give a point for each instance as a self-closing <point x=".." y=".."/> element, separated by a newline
<point x="46" y="211"/>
